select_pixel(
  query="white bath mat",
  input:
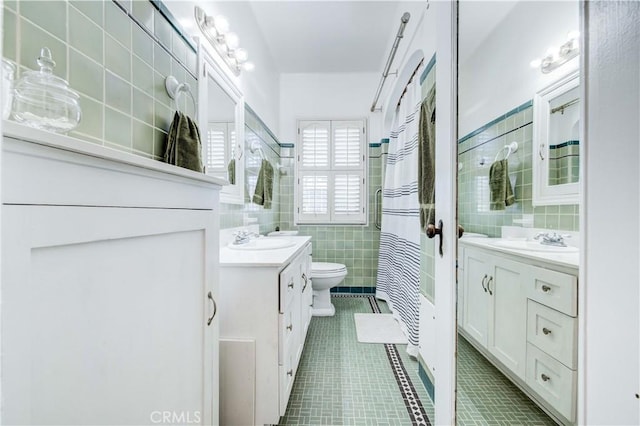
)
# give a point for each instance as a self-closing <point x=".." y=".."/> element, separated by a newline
<point x="378" y="328"/>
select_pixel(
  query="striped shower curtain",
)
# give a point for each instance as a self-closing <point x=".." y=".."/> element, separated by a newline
<point x="398" y="281"/>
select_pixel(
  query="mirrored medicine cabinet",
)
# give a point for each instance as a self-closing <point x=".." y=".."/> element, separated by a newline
<point x="221" y="119"/>
<point x="556" y="142"/>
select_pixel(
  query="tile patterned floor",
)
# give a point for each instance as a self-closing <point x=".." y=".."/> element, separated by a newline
<point x="487" y="397"/>
<point x="343" y="382"/>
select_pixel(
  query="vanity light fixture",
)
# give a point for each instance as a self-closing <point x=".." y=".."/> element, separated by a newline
<point x="226" y="44"/>
<point x="557" y="56"/>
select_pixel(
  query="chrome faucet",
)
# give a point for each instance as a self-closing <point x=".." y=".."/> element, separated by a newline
<point x="552" y="238"/>
<point x="244" y="236"/>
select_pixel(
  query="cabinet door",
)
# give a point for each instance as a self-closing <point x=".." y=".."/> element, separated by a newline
<point x="476" y="297"/>
<point x="508" y="314"/>
<point x="307" y="292"/>
<point x="104" y="316"/>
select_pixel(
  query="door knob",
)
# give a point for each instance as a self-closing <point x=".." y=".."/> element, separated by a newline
<point x="432" y="231"/>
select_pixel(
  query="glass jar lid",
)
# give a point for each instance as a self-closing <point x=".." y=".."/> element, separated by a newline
<point x="45" y="81"/>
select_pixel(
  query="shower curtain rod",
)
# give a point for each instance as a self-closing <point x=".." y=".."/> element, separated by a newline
<point x="392" y="54"/>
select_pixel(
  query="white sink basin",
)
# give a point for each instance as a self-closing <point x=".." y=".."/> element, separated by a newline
<point x="533" y="246"/>
<point x="263" y="244"/>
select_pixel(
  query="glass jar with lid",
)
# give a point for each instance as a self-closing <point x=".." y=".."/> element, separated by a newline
<point x="44" y="100"/>
<point x="8" y="73"/>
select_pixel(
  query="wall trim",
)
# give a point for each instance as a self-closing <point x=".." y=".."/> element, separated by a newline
<point x="427" y="69"/>
<point x="426" y="381"/>
<point x="354" y="290"/>
<point x="496" y="120"/>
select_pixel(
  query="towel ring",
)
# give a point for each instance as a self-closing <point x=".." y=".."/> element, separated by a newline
<point x="511" y="148"/>
<point x="255" y="146"/>
<point x="174" y="89"/>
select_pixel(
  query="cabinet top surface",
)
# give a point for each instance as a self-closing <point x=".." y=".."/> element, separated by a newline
<point x="28" y="134"/>
<point x="570" y="260"/>
<point x="263" y="258"/>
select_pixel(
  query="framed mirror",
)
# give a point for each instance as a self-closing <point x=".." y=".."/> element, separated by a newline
<point x="556" y="142"/>
<point x="221" y="121"/>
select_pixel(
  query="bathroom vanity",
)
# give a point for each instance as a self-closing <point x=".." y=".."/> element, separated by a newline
<point x="109" y="285"/>
<point x="266" y="300"/>
<point x="519" y="309"/>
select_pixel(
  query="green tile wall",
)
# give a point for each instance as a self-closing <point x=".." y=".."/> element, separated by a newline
<point x="355" y="246"/>
<point x="116" y="55"/>
<point x="475" y="154"/>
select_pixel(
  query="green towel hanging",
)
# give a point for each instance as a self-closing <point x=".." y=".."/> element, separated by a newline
<point x="500" y="185"/>
<point x="264" y="186"/>
<point x="184" y="148"/>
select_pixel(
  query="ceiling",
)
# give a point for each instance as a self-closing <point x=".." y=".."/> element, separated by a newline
<point x="328" y="36"/>
<point x="341" y="36"/>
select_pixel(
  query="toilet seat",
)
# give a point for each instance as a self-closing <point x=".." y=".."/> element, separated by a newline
<point x="326" y="269"/>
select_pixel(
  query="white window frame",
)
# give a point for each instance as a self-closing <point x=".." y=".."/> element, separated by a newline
<point x="331" y="218"/>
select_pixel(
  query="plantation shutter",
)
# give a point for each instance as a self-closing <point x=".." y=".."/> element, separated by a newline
<point x="331" y="172"/>
<point x="217" y="155"/>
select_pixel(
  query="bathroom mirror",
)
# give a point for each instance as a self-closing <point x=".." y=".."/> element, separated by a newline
<point x="221" y="118"/>
<point x="556" y="142"/>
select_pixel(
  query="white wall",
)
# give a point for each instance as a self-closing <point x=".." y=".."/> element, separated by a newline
<point x="497" y="77"/>
<point x="326" y="96"/>
<point x="610" y="301"/>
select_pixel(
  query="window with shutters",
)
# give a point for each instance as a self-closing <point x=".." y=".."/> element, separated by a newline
<point x="331" y="172"/>
<point x="220" y="141"/>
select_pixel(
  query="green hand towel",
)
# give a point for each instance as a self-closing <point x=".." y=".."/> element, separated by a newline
<point x="427" y="160"/>
<point x="184" y="148"/>
<point x="231" y="169"/>
<point x="264" y="186"/>
<point x="500" y="185"/>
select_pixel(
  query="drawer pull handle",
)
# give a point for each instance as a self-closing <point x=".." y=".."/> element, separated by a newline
<point x="484" y="282"/>
<point x="489" y="286"/>
<point x="215" y="309"/>
<point x="545" y="330"/>
<point x="290" y="284"/>
<point x="290" y="327"/>
<point x="546" y="288"/>
<point x="290" y="373"/>
<point x="544" y="377"/>
<point x="304" y="277"/>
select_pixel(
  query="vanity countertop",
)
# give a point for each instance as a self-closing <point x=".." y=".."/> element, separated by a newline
<point x="262" y="258"/>
<point x="567" y="260"/>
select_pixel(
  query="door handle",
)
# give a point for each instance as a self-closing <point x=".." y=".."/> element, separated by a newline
<point x="489" y="286"/>
<point x="376" y="213"/>
<point x="432" y="231"/>
<point x="215" y="308"/>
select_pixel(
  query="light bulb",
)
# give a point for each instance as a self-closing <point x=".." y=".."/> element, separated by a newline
<point x="221" y="24"/>
<point x="535" y="63"/>
<point x="232" y="40"/>
<point x="241" y="55"/>
<point x="248" y="66"/>
<point x="186" y="24"/>
<point x="553" y="51"/>
<point x="573" y="35"/>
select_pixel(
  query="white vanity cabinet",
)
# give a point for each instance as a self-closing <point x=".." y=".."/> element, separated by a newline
<point x="263" y="326"/>
<point x="109" y="284"/>
<point x="495" y="317"/>
<point x="521" y="312"/>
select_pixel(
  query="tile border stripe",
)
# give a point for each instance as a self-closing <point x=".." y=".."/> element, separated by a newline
<point x="412" y="402"/>
<point x="495" y="120"/>
<point x="430" y="65"/>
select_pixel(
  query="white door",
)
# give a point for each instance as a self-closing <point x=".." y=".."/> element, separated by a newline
<point x="445" y="259"/>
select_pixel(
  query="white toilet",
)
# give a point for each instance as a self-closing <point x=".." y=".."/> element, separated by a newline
<point x="325" y="276"/>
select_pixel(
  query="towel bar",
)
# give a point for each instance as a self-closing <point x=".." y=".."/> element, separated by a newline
<point x="511" y="148"/>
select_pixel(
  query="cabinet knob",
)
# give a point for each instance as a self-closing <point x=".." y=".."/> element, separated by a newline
<point x="546" y="288"/>
<point x="545" y="330"/>
<point x="290" y="284"/>
<point x="544" y="377"/>
<point x="290" y="327"/>
<point x="290" y="373"/>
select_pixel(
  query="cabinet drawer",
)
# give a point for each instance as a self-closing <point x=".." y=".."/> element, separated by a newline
<point x="553" y="332"/>
<point x="287" y="285"/>
<point x="285" y="338"/>
<point x="287" y="373"/>
<point x="554" y="289"/>
<point x="554" y="382"/>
